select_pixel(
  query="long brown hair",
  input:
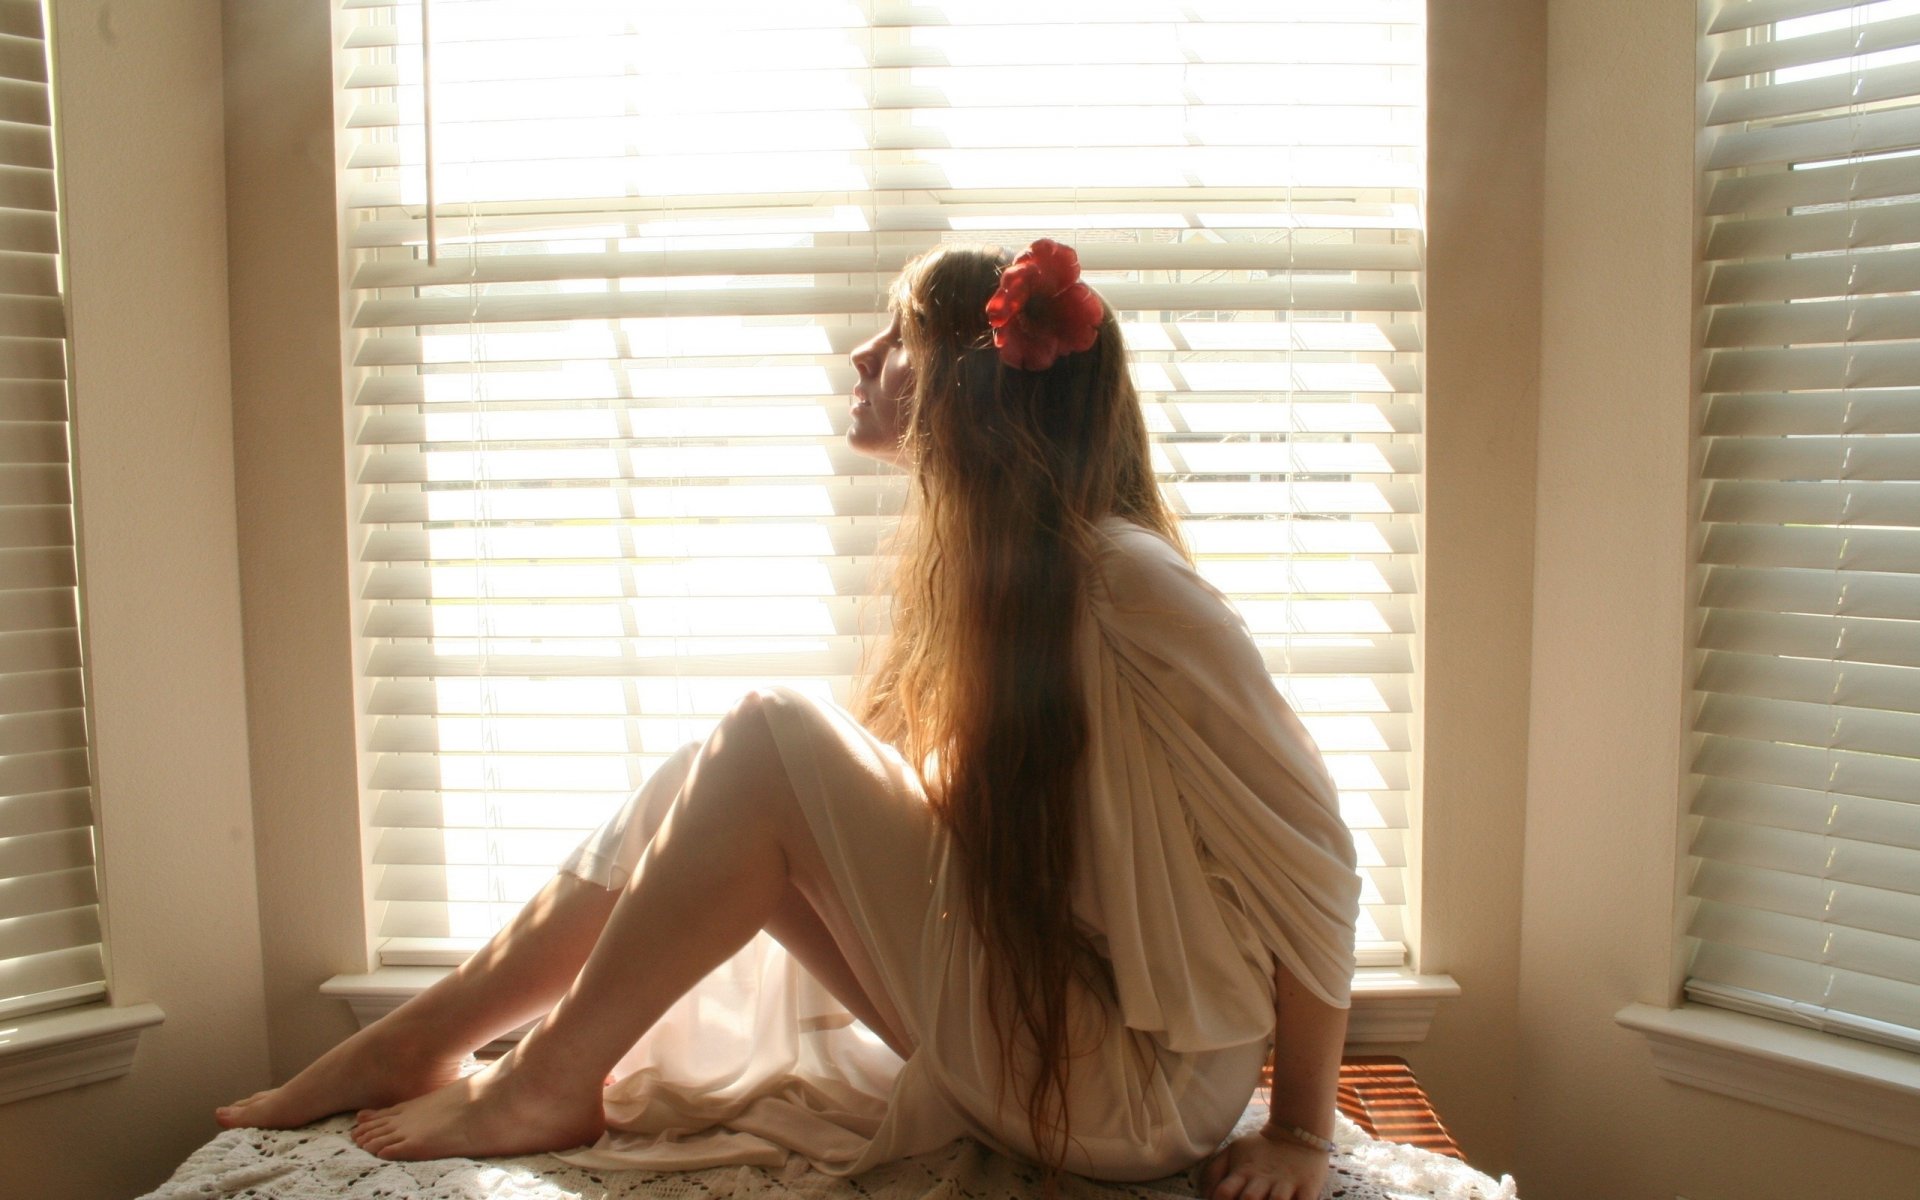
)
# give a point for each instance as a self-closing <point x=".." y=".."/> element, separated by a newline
<point x="1011" y="472"/>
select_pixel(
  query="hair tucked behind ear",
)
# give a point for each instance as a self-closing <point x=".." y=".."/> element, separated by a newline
<point x="1011" y="470"/>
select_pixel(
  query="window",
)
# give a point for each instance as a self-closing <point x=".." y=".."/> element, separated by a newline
<point x="607" y="266"/>
<point x="1807" y="833"/>
<point x="50" y="952"/>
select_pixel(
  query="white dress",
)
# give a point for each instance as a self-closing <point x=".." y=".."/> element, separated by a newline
<point x="1211" y="843"/>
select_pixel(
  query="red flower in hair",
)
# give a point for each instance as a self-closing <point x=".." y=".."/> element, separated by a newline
<point x="1041" y="309"/>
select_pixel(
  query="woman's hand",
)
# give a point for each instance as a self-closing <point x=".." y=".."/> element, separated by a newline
<point x="1257" y="1167"/>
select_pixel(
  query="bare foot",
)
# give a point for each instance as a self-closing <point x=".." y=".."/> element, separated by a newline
<point x="509" y="1108"/>
<point x="382" y="1064"/>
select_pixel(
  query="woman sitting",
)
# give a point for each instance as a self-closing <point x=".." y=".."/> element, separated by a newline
<point x="1075" y="864"/>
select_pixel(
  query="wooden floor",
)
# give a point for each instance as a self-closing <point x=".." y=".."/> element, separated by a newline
<point x="1379" y="1094"/>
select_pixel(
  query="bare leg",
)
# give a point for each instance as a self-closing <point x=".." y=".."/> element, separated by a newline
<point x="418" y="1047"/>
<point x="717" y="873"/>
<point x="799" y="927"/>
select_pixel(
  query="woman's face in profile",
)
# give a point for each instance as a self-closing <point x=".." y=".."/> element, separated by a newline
<point x="880" y="395"/>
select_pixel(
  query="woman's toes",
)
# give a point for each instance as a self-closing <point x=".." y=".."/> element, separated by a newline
<point x="230" y="1115"/>
<point x="382" y="1142"/>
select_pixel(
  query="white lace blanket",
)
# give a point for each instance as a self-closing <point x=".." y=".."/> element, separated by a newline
<point x="321" y="1163"/>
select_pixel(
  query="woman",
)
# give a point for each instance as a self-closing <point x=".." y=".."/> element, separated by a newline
<point x="1118" y="870"/>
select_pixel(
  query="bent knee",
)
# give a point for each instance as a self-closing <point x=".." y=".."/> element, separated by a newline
<point x="774" y="703"/>
<point x="773" y="695"/>
<point x="746" y="736"/>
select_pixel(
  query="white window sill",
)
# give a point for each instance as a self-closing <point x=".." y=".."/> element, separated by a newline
<point x="1390" y="1006"/>
<point x="1856" y="1085"/>
<point x="50" y="1051"/>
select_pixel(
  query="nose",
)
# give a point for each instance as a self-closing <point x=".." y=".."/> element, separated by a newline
<point x="869" y="355"/>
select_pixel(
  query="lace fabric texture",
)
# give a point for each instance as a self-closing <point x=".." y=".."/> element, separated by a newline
<point x="322" y="1163"/>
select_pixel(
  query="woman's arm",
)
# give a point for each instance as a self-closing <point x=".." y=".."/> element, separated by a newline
<point x="1274" y="1164"/>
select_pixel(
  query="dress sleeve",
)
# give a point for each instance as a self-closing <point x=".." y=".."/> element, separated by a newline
<point x="1185" y="712"/>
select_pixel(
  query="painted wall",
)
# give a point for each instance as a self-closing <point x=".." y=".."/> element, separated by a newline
<point x="161" y="596"/>
<point x="1606" y="750"/>
<point x="1487" y="86"/>
<point x="290" y="454"/>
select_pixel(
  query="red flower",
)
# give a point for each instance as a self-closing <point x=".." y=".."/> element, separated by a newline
<point x="1041" y="309"/>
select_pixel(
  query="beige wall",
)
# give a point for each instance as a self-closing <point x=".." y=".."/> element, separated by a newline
<point x="291" y="479"/>
<point x="1559" y="335"/>
<point x="1606" y="751"/>
<point x="1483" y="354"/>
<point x="154" y="459"/>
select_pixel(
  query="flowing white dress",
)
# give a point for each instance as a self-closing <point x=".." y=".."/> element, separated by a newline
<point x="1211" y="844"/>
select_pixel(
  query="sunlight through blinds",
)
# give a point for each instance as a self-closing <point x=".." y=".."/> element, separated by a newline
<point x="602" y="482"/>
<point x="50" y="953"/>
<point x="1806" y="884"/>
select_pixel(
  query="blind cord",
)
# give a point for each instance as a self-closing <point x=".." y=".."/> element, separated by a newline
<point x="426" y="126"/>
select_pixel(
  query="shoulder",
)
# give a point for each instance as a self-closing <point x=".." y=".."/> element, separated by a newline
<point x="1135" y="570"/>
<point x="1158" y="613"/>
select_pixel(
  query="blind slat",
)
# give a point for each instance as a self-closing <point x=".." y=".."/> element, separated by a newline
<point x="1886" y="868"/>
<point x="1855" y="818"/>
<point x="1816" y="942"/>
<point x="1824" y="228"/>
<point x="1891" y="410"/>
<point x="52" y="891"/>
<point x="38" y="982"/>
<point x="1872" y="910"/>
<point x="1888" y="550"/>
<point x="1812" y="95"/>
<point x="463" y="268"/>
<point x="1850" y="134"/>
<point x="1783" y="191"/>
<point x="1804" y="458"/>
<point x="1733" y="15"/>
<point x="1814" y="502"/>
<point x="1816" y="277"/>
<point x="44" y="812"/>
<point x="1879" y="318"/>
<point x="1285" y="296"/>
<point x="984" y="218"/>
<point x="1810" y="726"/>
<point x="714" y="695"/>
<point x="1855" y="685"/>
<point x="1789" y="589"/>
<point x="1804" y="635"/>
<point x="1852" y="41"/>
<point x="667" y="338"/>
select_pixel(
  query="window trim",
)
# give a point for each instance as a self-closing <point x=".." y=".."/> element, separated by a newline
<point x="49" y="1052"/>
<point x="1856" y="1085"/>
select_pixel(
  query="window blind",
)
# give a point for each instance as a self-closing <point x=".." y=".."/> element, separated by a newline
<point x="601" y="389"/>
<point x="1806" y="884"/>
<point x="49" y="910"/>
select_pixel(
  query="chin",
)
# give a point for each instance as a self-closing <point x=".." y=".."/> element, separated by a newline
<point x="884" y="454"/>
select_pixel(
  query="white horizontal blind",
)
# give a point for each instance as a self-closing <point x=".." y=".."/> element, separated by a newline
<point x="1807" y="839"/>
<point x="603" y="484"/>
<point x="49" y="911"/>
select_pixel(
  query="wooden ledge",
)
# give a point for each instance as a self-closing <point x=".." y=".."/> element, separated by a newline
<point x="1379" y="1094"/>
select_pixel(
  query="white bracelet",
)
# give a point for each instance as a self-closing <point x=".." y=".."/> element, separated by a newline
<point x="1297" y="1134"/>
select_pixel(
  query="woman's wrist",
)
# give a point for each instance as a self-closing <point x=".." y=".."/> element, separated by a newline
<point x="1276" y="1132"/>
